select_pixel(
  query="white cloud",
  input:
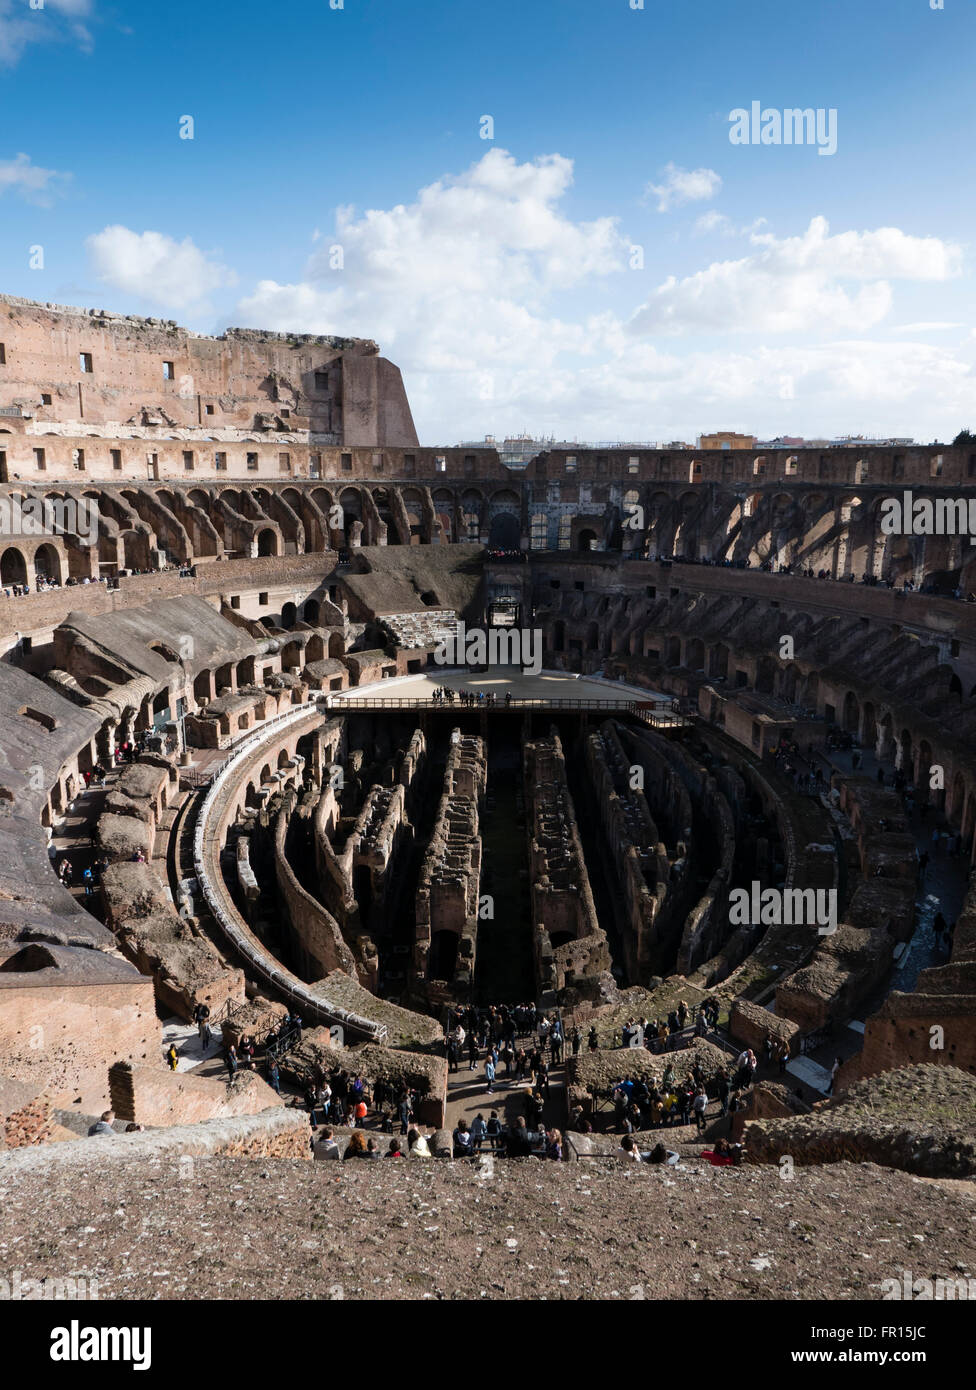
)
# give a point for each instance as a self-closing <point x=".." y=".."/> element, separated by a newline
<point x="458" y="278"/>
<point x="474" y="288"/>
<point x="30" y="181"/>
<point x="940" y="327"/>
<point x="57" y="21"/>
<point x="795" y="284"/>
<point x="175" y="274"/>
<point x="713" y="222"/>
<point x="682" y="186"/>
<point x="830" y="389"/>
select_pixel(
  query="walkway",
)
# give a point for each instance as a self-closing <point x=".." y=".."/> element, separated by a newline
<point x="467" y="1095"/>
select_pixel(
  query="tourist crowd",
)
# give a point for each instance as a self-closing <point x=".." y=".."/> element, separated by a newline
<point x="443" y="695"/>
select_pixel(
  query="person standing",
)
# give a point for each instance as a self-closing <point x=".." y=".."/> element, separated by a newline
<point x="833" y="1075"/>
<point x="490" y="1073"/>
<point x="479" y="1131"/>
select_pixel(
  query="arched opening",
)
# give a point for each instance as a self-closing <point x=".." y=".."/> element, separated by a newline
<point x="869" y="736"/>
<point x="955" y="802"/>
<point x="442" y="961"/>
<point x="884" y="747"/>
<point x="586" y="540"/>
<point x="47" y="565"/>
<point x="13" y="567"/>
<point x="811" y="691"/>
<point x="905" y="752"/>
<point x="289" y="614"/>
<point x="161" y="649"/>
<point x="267" y="542"/>
<point x="969" y="815"/>
<point x="503" y="532"/>
<point x="719" y="661"/>
<point x="310" y="612"/>
<point x="851" y="718"/>
<point x="352" y="514"/>
<point x="766" y="676"/>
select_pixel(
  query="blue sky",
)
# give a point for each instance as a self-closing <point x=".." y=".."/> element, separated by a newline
<point x="775" y="290"/>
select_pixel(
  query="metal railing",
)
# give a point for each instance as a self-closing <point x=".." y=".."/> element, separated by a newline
<point x="654" y="711"/>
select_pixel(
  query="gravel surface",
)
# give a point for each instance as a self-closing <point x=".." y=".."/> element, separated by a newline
<point x="274" y="1228"/>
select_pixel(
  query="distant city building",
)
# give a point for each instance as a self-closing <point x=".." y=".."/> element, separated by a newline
<point x="849" y="441"/>
<point x="518" y="451"/>
<point x="726" y="439"/>
<point x="856" y="441"/>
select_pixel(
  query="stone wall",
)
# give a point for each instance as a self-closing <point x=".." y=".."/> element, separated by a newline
<point x="317" y="936"/>
<point x="184" y="964"/>
<point x="918" y="1118"/>
<point x="156" y="1096"/>
<point x="153" y="375"/>
<point x="450" y="875"/>
<point x="632" y="845"/>
<point x="845" y="968"/>
<point x="26" y="1115"/>
<point x="935" y="1023"/>
<point x="749" y="1024"/>
<point x="272" y="1134"/>
<point x="64" y="1036"/>
<point x="568" y="940"/>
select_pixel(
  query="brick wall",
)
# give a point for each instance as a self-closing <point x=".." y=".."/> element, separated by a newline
<point x="66" y="1038"/>
<point x="157" y="1096"/>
